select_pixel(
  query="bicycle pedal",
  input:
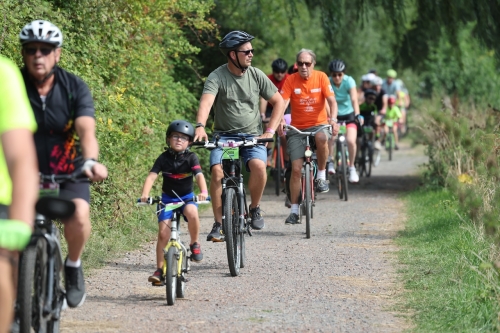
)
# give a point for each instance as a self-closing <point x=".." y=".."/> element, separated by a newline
<point x="185" y="279"/>
<point x="157" y="284"/>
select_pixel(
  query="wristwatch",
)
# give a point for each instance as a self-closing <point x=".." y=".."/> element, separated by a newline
<point x="200" y="125"/>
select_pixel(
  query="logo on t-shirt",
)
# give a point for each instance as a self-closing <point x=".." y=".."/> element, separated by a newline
<point x="297" y="91"/>
<point x="330" y="87"/>
<point x="315" y="90"/>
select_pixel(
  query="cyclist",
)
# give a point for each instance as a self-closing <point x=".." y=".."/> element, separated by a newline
<point x="393" y="113"/>
<point x="366" y="83"/>
<point x="308" y="91"/>
<point x="348" y="110"/>
<point x="178" y="166"/>
<point x="65" y="139"/>
<point x="368" y="109"/>
<point x="238" y="87"/>
<point x="277" y="77"/>
<point x="293" y="69"/>
<point x="18" y="182"/>
<point x="381" y="104"/>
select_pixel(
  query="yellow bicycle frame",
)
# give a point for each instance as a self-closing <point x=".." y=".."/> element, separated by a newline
<point x="176" y="244"/>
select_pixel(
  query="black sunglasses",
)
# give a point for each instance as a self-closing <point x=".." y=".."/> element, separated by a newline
<point x="44" y="50"/>
<point x="337" y="74"/>
<point x="247" y="52"/>
<point x="300" y="64"/>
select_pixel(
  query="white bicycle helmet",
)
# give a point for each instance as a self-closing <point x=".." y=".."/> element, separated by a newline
<point x="41" y="31"/>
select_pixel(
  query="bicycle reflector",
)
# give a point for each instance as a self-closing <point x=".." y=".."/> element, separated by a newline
<point x="308" y="153"/>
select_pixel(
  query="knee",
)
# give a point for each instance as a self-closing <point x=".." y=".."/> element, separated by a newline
<point x="191" y="213"/>
<point x="321" y="139"/>
<point x="217" y="173"/>
<point x="296" y="170"/>
<point x="257" y="167"/>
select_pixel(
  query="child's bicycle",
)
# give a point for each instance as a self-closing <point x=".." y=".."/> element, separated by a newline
<point x="342" y="161"/>
<point x="389" y="139"/>
<point x="175" y="263"/>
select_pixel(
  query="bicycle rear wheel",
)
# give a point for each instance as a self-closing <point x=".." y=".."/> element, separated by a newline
<point x="308" y="199"/>
<point x="231" y="223"/>
<point x="171" y="274"/>
<point x="277" y="166"/>
<point x="32" y="285"/>
<point x="366" y="160"/>
<point x="344" y="170"/>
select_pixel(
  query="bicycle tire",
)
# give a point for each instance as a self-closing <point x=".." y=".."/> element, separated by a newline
<point x="171" y="275"/>
<point x="389" y="143"/>
<point x="370" y="160"/>
<point x="181" y="283"/>
<point x="339" y="167"/>
<point x="31" y="287"/>
<point x="230" y="220"/>
<point x="277" y="167"/>
<point x="365" y="161"/>
<point x="308" y="199"/>
<point x="242" y="252"/>
<point x="344" y="170"/>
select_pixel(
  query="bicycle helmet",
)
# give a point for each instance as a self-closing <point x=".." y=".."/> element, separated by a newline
<point x="181" y="126"/>
<point x="377" y="81"/>
<point x="41" y="31"/>
<point x="336" y="65"/>
<point x="279" y="66"/>
<point x="391" y="100"/>
<point x="373" y="71"/>
<point x="370" y="92"/>
<point x="392" y="73"/>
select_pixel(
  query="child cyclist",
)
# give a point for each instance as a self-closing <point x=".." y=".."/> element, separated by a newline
<point x="178" y="166"/>
<point x="392" y="114"/>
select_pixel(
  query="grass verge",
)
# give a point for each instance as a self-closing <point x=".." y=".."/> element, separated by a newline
<point x="450" y="285"/>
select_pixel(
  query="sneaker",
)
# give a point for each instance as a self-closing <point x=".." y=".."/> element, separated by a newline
<point x="377" y="145"/>
<point x="75" y="286"/>
<point x="257" y="219"/>
<point x="156" y="277"/>
<point x="215" y="235"/>
<point x="353" y="175"/>
<point x="322" y="185"/>
<point x="331" y="169"/>
<point x="396" y="147"/>
<point x="292" y="219"/>
<point x="288" y="203"/>
<point x="196" y="254"/>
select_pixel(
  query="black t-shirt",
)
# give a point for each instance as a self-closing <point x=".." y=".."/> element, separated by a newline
<point x="178" y="170"/>
<point x="56" y="141"/>
<point x="379" y="103"/>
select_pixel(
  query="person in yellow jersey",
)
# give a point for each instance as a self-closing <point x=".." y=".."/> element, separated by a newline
<point x="18" y="182"/>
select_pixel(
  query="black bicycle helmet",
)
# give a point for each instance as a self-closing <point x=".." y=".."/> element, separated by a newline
<point x="279" y="66"/>
<point x="369" y="92"/>
<point x="181" y="126"/>
<point x="336" y="65"/>
<point x="231" y="42"/>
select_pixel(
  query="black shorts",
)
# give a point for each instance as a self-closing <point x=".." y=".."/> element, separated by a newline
<point x="80" y="190"/>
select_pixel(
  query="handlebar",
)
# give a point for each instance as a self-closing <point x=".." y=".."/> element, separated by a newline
<point x="307" y="133"/>
<point x="231" y="143"/>
<point x="75" y="177"/>
<point x="157" y="199"/>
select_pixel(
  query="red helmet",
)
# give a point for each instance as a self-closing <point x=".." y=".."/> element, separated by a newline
<point x="391" y="100"/>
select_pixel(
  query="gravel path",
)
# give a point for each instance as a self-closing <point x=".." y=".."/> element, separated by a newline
<point x="343" y="279"/>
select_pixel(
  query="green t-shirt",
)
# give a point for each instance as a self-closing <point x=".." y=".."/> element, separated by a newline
<point x="15" y="113"/>
<point x="393" y="113"/>
<point x="236" y="105"/>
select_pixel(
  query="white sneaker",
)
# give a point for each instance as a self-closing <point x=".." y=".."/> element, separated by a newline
<point x="353" y="176"/>
<point x="377" y="145"/>
<point x="331" y="169"/>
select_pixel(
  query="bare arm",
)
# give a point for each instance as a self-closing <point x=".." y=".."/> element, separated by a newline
<point x="354" y="100"/>
<point x="332" y="106"/>
<point x="263" y="107"/>
<point x="202" y="184"/>
<point x="278" y="111"/>
<point x="20" y="155"/>
<point x="85" y="128"/>
<point x="206" y="102"/>
<point x="148" y="184"/>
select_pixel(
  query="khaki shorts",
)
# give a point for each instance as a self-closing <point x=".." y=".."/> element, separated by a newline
<point x="296" y="143"/>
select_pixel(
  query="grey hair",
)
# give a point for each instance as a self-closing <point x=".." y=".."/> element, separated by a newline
<point x="310" y="52"/>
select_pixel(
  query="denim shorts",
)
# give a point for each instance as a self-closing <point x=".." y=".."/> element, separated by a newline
<point x="246" y="153"/>
<point x="167" y="215"/>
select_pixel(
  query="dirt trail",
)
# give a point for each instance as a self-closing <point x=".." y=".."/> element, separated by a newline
<point x="341" y="280"/>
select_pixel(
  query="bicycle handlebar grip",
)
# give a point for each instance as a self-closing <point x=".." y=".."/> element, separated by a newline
<point x="198" y="143"/>
<point x="265" y="140"/>
<point x="148" y="202"/>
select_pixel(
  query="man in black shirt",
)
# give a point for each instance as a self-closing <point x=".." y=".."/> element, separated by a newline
<point x="65" y="139"/>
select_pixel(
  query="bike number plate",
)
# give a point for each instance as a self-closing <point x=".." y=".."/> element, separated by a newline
<point x="368" y="129"/>
<point x="343" y="129"/>
<point x="389" y="123"/>
<point x="230" y="153"/>
<point x="49" y="189"/>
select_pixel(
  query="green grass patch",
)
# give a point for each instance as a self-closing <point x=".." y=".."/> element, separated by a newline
<point x="450" y="283"/>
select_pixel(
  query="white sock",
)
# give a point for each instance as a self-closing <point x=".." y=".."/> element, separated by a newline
<point x="71" y="263"/>
<point x="352" y="168"/>
<point x="321" y="174"/>
<point x="295" y="209"/>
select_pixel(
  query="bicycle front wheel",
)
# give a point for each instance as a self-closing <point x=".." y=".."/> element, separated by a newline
<point x="32" y="285"/>
<point x="389" y="144"/>
<point x="277" y="166"/>
<point x="171" y="274"/>
<point x="308" y="199"/>
<point x="344" y="170"/>
<point x="231" y="226"/>
<point x="181" y="282"/>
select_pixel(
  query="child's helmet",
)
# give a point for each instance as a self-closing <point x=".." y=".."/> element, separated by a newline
<point x="181" y="126"/>
<point x="391" y="100"/>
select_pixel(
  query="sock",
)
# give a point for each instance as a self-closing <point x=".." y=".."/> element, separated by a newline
<point x="321" y="174"/>
<point x="71" y="263"/>
<point x="295" y="209"/>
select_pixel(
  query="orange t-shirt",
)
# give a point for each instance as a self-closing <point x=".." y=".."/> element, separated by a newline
<point x="307" y="98"/>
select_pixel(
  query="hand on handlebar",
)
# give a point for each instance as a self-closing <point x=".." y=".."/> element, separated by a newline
<point x="335" y="128"/>
<point x="95" y="171"/>
<point x="281" y="127"/>
<point x="202" y="196"/>
<point x="200" y="134"/>
<point x="266" y="135"/>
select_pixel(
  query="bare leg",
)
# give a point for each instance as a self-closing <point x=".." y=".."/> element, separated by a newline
<point x="351" y="137"/>
<point x="321" y="150"/>
<point x="257" y="180"/>
<point x="7" y="293"/>
<point x="163" y="238"/>
<point x="191" y="213"/>
<point x="295" y="183"/>
<point x="77" y="229"/>
<point x="216" y="191"/>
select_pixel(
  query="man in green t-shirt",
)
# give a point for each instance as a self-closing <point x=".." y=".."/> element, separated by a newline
<point x="18" y="181"/>
<point x="233" y="91"/>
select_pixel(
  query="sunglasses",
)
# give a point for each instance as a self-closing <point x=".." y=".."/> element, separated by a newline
<point x="280" y="72"/>
<point x="247" y="52"/>
<point x="180" y="138"/>
<point x="337" y="74"/>
<point x="44" y="50"/>
<point x="300" y="64"/>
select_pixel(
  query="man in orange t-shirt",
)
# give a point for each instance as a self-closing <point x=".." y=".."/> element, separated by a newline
<point x="308" y="91"/>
